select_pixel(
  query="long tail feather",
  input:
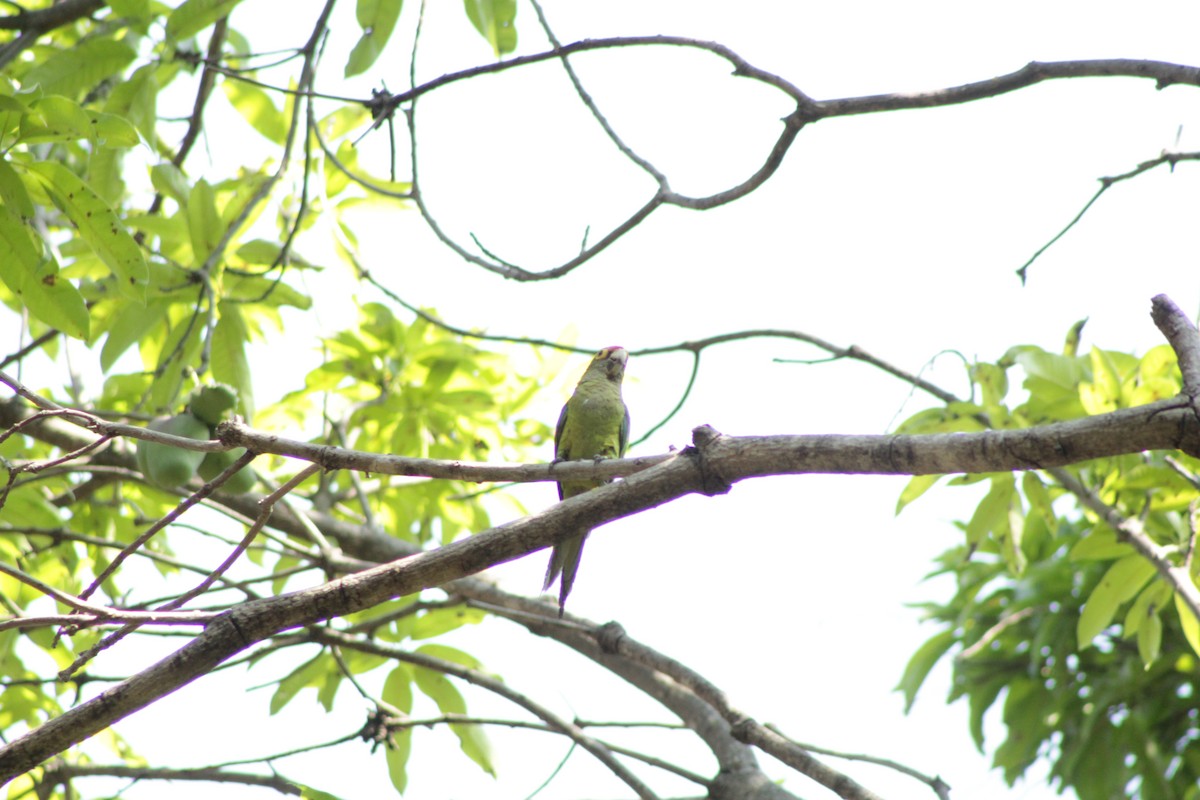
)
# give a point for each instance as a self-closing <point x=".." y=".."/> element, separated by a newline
<point x="564" y="563"/>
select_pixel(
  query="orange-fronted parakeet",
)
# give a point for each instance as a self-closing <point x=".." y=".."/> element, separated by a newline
<point x="593" y="424"/>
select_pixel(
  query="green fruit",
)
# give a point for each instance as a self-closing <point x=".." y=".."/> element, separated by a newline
<point x="211" y="403"/>
<point x="214" y="464"/>
<point x="168" y="466"/>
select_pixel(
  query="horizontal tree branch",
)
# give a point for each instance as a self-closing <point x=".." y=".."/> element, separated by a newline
<point x="43" y="19"/>
<point x="710" y="467"/>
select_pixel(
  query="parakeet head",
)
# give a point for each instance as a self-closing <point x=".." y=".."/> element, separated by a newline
<point x="612" y="361"/>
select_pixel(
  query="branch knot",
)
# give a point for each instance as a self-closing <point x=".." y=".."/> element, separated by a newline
<point x="711" y="480"/>
<point x="609" y="636"/>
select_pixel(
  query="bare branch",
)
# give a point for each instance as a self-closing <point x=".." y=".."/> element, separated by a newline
<point x="1107" y="183"/>
<point x="1132" y="531"/>
<point x="62" y="772"/>
<point x="477" y="678"/>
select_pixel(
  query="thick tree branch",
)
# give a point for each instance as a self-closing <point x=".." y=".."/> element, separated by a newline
<point x="709" y="468"/>
<point x="56" y="15"/>
<point x="34" y="24"/>
<point x="1165" y="425"/>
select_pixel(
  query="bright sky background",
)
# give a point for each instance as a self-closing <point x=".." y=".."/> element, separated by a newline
<point x="900" y="233"/>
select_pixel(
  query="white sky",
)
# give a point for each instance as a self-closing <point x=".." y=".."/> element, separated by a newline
<point x="900" y="233"/>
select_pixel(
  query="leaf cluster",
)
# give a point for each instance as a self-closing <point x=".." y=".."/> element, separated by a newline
<point x="1073" y="637"/>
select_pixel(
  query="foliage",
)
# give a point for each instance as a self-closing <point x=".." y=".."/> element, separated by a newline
<point x="1055" y="621"/>
<point x="168" y="275"/>
<point x="167" y="272"/>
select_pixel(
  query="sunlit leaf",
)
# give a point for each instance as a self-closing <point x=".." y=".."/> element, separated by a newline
<point x="1189" y="623"/>
<point x="922" y="661"/>
<point x="34" y="278"/>
<point x="58" y="119"/>
<point x="1120" y="583"/>
<point x="307" y="674"/>
<point x="377" y="19"/>
<point x="229" y="362"/>
<point x="496" y="22"/>
<point x="255" y="105"/>
<point x="193" y="16"/>
<point x="98" y="225"/>
<point x="204" y="223"/>
<point x="80" y="67"/>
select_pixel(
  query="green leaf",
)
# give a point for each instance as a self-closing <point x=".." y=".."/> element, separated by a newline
<point x="1149" y="639"/>
<point x="1062" y="371"/>
<point x="1189" y="623"/>
<point x="451" y="654"/>
<point x="1012" y="537"/>
<point x="1026" y="708"/>
<point x="21" y="258"/>
<point x="327" y="690"/>
<point x="991" y="515"/>
<point x="397" y="688"/>
<point x="204" y="222"/>
<point x="1038" y="496"/>
<point x="136" y="100"/>
<point x="194" y="16"/>
<point x="1100" y="544"/>
<point x="12" y="114"/>
<point x="98" y="225"/>
<point x="180" y="349"/>
<point x="443" y="620"/>
<point x="59" y="119"/>
<point x="341" y="121"/>
<point x="1120" y="583"/>
<point x="397" y="758"/>
<point x="917" y="486"/>
<point x="475" y="745"/>
<point x="1097" y="774"/>
<point x="13" y="192"/>
<point x="310" y="673"/>
<point x="981" y="698"/>
<point x="309" y="793"/>
<point x="229" y="362"/>
<point x="397" y="692"/>
<point x="104" y="174"/>
<point x="137" y="9"/>
<point x="1071" y="344"/>
<point x="80" y="67"/>
<point x="255" y="105"/>
<point x="438" y="688"/>
<point x="26" y="507"/>
<point x="1102" y="394"/>
<point x="168" y="179"/>
<point x="992" y="381"/>
<point x="495" y="20"/>
<point x="55" y="301"/>
<point x="377" y="18"/>
<point x="129" y="326"/>
<point x="35" y="278"/>
<point x="921" y="663"/>
<point x="1149" y="603"/>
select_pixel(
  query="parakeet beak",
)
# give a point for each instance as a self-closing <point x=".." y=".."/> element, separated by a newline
<point x="617" y="356"/>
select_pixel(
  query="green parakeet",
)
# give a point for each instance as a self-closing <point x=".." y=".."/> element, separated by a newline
<point x="593" y="424"/>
